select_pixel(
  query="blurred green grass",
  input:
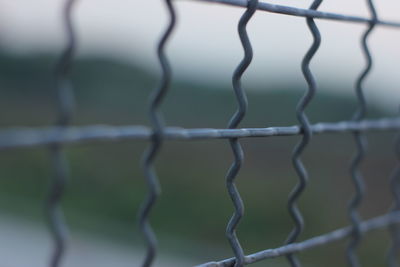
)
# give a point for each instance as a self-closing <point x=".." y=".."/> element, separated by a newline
<point x="106" y="184"/>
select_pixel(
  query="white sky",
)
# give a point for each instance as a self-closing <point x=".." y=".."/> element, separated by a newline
<point x="205" y="43"/>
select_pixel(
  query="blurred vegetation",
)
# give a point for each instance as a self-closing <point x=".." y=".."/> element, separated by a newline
<point x="106" y="183"/>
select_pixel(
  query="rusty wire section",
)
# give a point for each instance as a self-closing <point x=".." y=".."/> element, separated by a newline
<point x="306" y="138"/>
<point x="361" y="144"/>
<point x="156" y="138"/>
<point x="55" y="138"/>
<point x="65" y="104"/>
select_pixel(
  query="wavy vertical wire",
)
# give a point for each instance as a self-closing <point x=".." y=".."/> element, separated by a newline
<point x="395" y="188"/>
<point x="307" y="134"/>
<point x="361" y="144"/>
<point x="234" y="142"/>
<point x="150" y="154"/>
<point x="65" y="105"/>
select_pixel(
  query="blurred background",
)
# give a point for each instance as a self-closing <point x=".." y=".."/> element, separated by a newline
<point x="113" y="74"/>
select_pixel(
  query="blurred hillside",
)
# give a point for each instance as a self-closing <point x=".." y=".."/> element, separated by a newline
<point x="106" y="184"/>
<point x="110" y="92"/>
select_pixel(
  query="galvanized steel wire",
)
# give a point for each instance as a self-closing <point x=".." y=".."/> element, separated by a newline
<point x="65" y="104"/>
<point x="156" y="141"/>
<point x="379" y="222"/>
<point x="234" y="142"/>
<point x="394" y="183"/>
<point x="306" y="137"/>
<point x="361" y="144"/>
<point x="301" y="12"/>
<point x="62" y="134"/>
<point x="28" y="137"/>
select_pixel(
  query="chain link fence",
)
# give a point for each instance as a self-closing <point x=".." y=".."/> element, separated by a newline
<point x="62" y="133"/>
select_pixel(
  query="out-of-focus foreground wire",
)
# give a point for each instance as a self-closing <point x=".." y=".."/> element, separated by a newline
<point x="65" y="104"/>
<point x="361" y="144"/>
<point x="156" y="141"/>
<point x="393" y="252"/>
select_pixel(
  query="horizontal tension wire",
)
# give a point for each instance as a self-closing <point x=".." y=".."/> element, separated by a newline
<point x="336" y="235"/>
<point x="20" y="137"/>
<point x="301" y="12"/>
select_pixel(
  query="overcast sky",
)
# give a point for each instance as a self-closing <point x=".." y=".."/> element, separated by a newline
<point x="206" y="42"/>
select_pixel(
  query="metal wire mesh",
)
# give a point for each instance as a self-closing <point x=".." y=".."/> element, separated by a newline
<point x="56" y="137"/>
